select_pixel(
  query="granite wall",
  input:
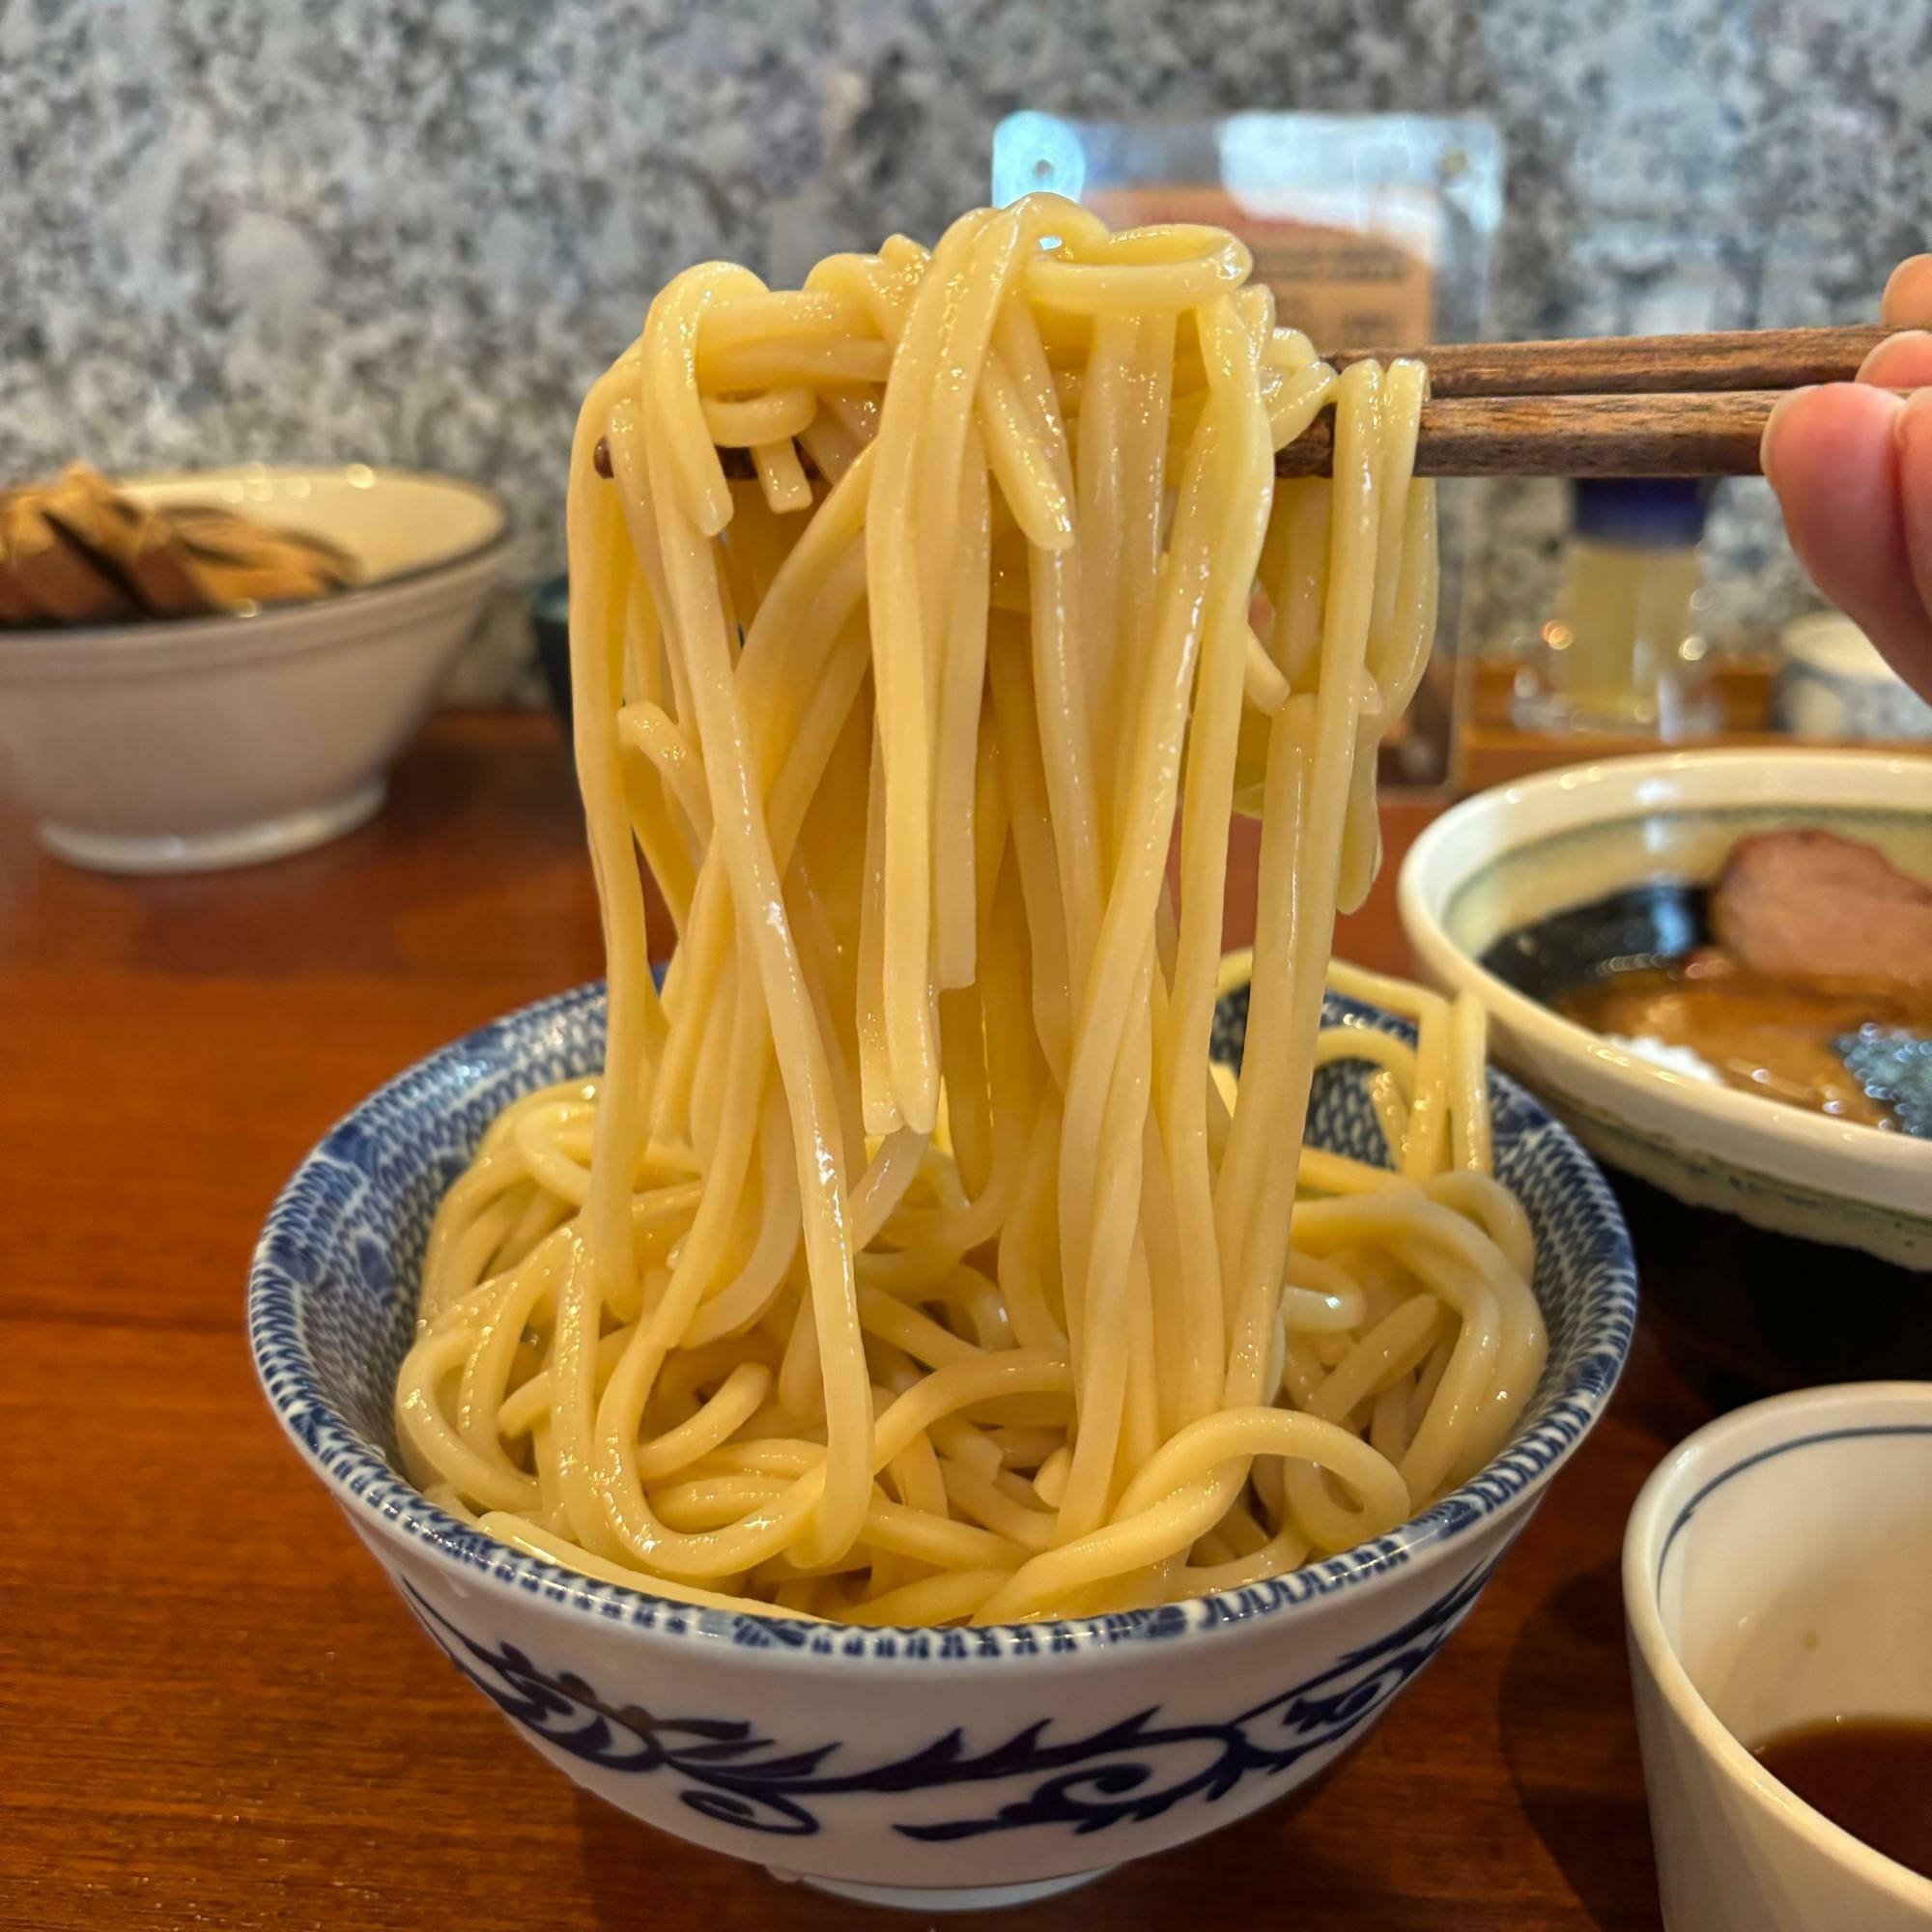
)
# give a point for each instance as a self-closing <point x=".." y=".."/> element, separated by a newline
<point x="414" y="232"/>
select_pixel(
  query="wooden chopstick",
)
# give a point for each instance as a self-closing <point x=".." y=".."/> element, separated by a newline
<point x="1613" y="365"/>
<point x="1608" y="406"/>
<point x="1569" y="435"/>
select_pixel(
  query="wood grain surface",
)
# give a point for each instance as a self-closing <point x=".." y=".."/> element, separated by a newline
<point x="1690" y="435"/>
<point x="213" y="1712"/>
<point x="1604" y="365"/>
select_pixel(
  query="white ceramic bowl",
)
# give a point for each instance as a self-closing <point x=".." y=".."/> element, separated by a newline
<point x="1778" y="1570"/>
<point x="1834" y="684"/>
<point x="184" y="745"/>
<point x="1514" y="854"/>
<point x="928" y="1769"/>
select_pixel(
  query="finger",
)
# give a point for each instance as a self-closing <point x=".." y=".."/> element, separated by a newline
<point x="1908" y="295"/>
<point x="1914" y="438"/>
<point x="1901" y="361"/>
<point x="1833" y="457"/>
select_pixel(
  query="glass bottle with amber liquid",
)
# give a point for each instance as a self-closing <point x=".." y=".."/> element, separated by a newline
<point x="1621" y="650"/>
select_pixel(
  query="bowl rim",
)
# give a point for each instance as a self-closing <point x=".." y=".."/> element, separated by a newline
<point x="149" y="634"/>
<point x="1705" y="1458"/>
<point x="1808" y="644"/>
<point x="1746" y="1131"/>
<point x="379" y="1500"/>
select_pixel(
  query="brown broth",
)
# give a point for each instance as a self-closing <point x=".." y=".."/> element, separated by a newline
<point x="1871" y="1775"/>
<point x="1765" y="1035"/>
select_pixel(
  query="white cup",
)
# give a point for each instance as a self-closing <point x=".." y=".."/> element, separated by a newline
<point x="1778" y="1570"/>
<point x="1834" y="684"/>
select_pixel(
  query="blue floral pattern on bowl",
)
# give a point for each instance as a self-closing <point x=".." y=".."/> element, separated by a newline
<point x="1116" y="1774"/>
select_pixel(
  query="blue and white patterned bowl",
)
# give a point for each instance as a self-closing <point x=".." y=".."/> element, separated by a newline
<point x="931" y="1769"/>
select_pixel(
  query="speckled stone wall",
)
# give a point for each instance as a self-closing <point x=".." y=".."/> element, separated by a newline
<point x="414" y="232"/>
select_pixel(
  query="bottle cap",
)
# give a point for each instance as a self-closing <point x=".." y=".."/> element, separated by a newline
<point x="1641" y="512"/>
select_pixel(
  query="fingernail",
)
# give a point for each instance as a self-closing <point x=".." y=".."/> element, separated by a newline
<point x="1772" y="421"/>
<point x="1890" y="342"/>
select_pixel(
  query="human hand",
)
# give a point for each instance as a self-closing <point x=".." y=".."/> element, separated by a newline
<point x="1852" y="465"/>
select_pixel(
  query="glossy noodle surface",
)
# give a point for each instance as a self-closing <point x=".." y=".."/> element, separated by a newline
<point x="907" y="1263"/>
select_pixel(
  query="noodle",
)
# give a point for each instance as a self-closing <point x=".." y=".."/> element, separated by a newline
<point x="906" y="1263"/>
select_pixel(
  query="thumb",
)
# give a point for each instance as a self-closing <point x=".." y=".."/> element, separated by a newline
<point x="1832" y="456"/>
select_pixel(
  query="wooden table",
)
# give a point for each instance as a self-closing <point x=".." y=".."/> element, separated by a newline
<point x="1491" y="749"/>
<point x="213" y="1712"/>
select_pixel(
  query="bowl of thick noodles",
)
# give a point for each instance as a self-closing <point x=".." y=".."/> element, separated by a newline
<point x="904" y="1763"/>
<point x="958" y="1386"/>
